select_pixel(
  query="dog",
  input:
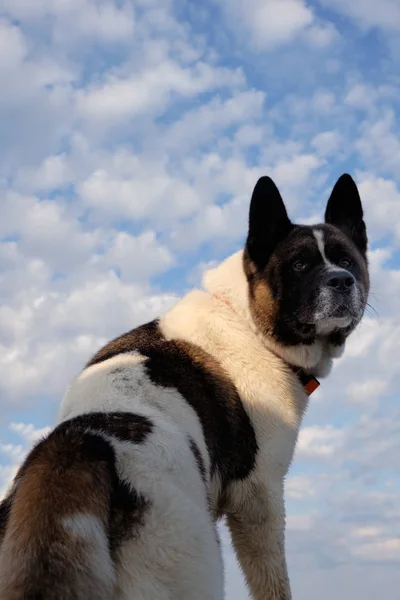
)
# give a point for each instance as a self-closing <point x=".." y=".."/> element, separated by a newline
<point x="189" y="418"/>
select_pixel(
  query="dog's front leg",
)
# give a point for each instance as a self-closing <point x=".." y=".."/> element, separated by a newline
<point x="258" y="536"/>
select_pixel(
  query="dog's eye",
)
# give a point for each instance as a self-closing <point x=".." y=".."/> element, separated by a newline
<point x="345" y="263"/>
<point x="300" y="265"/>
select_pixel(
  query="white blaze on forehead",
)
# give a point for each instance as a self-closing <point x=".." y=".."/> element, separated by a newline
<point x="319" y="237"/>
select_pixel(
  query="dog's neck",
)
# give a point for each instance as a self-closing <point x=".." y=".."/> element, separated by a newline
<point x="228" y="283"/>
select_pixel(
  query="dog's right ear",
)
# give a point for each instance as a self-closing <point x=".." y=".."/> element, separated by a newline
<point x="344" y="210"/>
<point x="269" y="223"/>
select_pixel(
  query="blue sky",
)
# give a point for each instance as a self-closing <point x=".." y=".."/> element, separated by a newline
<point x="132" y="133"/>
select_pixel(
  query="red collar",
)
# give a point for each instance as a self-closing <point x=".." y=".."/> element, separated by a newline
<point x="309" y="382"/>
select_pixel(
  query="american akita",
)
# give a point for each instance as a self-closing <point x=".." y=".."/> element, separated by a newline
<point x="188" y="418"/>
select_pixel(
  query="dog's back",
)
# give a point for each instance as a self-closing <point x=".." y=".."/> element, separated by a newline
<point x="113" y="503"/>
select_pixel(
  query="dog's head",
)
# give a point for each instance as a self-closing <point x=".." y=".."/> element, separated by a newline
<point x="307" y="282"/>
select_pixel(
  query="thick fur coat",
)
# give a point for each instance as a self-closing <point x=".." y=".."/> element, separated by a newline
<point x="189" y="418"/>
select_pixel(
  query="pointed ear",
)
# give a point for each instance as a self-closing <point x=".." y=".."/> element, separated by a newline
<point x="344" y="210"/>
<point x="268" y="222"/>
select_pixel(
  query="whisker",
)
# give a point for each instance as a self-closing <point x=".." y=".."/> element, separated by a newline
<point x="370" y="310"/>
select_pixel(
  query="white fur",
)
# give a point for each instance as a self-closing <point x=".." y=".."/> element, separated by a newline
<point x="91" y="532"/>
<point x="86" y="527"/>
<point x="176" y="553"/>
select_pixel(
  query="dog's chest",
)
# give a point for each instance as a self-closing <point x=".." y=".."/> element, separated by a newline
<point x="275" y="406"/>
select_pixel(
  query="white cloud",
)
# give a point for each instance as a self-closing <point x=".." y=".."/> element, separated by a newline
<point x="368" y="390"/>
<point x="209" y="120"/>
<point x="36" y="90"/>
<point x="299" y="522"/>
<point x="323" y="101"/>
<point x="366" y="531"/>
<point x="50" y="329"/>
<point x="270" y="22"/>
<point x="313" y="106"/>
<point x="148" y="191"/>
<point x="361" y="343"/>
<point x="222" y="223"/>
<point x="327" y="143"/>
<point x="120" y="98"/>
<point x="319" y="441"/>
<point x="29" y="431"/>
<point x="320" y="36"/>
<point x="17" y="452"/>
<point x="365" y="96"/>
<point x="299" y="486"/>
<point x="297" y="171"/>
<point x="14" y="452"/>
<point x="46" y="228"/>
<point x="378" y="143"/>
<point x="45" y="321"/>
<point x="52" y="173"/>
<point x="85" y="18"/>
<point x="127" y="254"/>
<point x="381" y="200"/>
<point x="13" y="46"/>
<point x="369" y="13"/>
<point x="387" y="550"/>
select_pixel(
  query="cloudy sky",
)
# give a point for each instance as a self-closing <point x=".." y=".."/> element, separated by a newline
<point x="132" y="133"/>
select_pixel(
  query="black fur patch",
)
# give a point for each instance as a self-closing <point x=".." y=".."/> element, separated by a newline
<point x="67" y="446"/>
<point x="199" y="459"/>
<point x="128" y="509"/>
<point x="227" y="429"/>
<point x="124" y="426"/>
<point x="5" y="508"/>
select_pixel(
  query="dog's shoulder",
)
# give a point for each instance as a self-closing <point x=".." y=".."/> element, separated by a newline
<point x="258" y="374"/>
<point x="171" y="376"/>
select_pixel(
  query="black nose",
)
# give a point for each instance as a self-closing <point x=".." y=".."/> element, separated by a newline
<point x="341" y="281"/>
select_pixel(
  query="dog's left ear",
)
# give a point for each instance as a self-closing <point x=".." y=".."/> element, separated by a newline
<point x="344" y="210"/>
<point x="268" y="222"/>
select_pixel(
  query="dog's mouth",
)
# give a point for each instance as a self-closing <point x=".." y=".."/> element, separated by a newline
<point x="342" y="311"/>
<point x="331" y="312"/>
